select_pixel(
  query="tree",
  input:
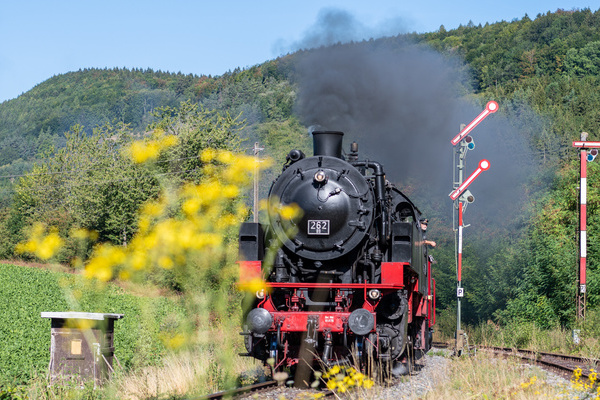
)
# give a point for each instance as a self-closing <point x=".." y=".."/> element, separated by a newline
<point x="88" y="184"/>
<point x="94" y="184"/>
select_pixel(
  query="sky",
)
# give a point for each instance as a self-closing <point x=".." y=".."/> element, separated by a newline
<point x="43" y="38"/>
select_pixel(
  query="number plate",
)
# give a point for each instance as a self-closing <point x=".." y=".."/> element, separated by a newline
<point x="318" y="227"/>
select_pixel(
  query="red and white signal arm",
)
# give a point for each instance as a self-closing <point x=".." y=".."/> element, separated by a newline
<point x="586" y="144"/>
<point x="484" y="165"/>
<point x="490" y="108"/>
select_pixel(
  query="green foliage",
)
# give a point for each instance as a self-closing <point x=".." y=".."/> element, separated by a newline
<point x="196" y="129"/>
<point x="89" y="184"/>
<point x="546" y="294"/>
<point x="26" y="292"/>
<point x="92" y="183"/>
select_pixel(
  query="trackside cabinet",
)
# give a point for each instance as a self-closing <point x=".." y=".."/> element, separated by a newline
<point x="82" y="346"/>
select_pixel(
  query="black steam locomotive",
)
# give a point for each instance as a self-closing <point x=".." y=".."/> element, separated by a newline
<point x="353" y="280"/>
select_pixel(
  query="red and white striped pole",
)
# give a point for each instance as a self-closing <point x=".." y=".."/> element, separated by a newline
<point x="583" y="222"/>
<point x="460" y="242"/>
<point x="584" y="145"/>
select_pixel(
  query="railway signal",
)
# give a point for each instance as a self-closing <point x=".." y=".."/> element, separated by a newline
<point x="469" y="143"/>
<point x="467" y="197"/>
<point x="462" y="197"/>
<point x="484" y="165"/>
<point x="588" y="152"/>
<point x="490" y="108"/>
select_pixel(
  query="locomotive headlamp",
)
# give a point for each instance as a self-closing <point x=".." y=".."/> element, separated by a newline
<point x="374" y="294"/>
<point x="260" y="294"/>
<point x="259" y="320"/>
<point x="320" y="176"/>
<point x="361" y="321"/>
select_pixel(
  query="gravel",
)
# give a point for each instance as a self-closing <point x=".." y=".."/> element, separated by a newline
<point x="429" y="371"/>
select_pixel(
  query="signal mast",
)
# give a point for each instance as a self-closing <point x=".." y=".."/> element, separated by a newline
<point x="588" y="152"/>
<point x="462" y="197"/>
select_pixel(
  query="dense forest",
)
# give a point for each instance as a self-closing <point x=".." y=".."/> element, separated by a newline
<point x="64" y="135"/>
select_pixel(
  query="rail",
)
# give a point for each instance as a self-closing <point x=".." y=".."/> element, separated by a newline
<point x="562" y="364"/>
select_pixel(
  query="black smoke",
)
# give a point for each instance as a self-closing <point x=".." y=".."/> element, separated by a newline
<point x="400" y="104"/>
<point x="335" y="26"/>
<point x="403" y="102"/>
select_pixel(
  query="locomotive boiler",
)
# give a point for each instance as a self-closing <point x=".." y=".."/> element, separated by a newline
<point x="346" y="280"/>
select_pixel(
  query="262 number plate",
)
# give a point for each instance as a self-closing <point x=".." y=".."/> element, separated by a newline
<point x="318" y="227"/>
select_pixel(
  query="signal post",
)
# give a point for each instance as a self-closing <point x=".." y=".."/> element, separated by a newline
<point x="462" y="197"/>
<point x="588" y="152"/>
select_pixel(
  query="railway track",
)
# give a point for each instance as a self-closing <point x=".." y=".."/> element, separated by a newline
<point x="562" y="364"/>
<point x="241" y="391"/>
<point x="262" y="389"/>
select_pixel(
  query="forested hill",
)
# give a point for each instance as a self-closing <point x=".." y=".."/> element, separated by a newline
<point x="552" y="61"/>
<point x="92" y="97"/>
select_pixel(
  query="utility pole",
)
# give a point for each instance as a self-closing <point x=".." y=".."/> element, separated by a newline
<point x="257" y="149"/>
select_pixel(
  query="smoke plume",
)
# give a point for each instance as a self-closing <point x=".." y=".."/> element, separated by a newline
<point x="335" y="26"/>
<point x="400" y="105"/>
<point x="403" y="103"/>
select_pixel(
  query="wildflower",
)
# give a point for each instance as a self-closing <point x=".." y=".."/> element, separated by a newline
<point x="208" y="155"/>
<point x="42" y="245"/>
<point x="343" y="378"/>
<point x="142" y="151"/>
<point x="173" y="341"/>
<point x="290" y="211"/>
<point x="331" y="384"/>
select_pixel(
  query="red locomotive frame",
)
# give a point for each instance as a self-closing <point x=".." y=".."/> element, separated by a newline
<point x="394" y="276"/>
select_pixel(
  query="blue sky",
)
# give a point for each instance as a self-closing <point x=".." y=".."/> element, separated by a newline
<point x="43" y="38"/>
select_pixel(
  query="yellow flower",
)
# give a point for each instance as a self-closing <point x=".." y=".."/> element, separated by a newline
<point x="208" y="155"/>
<point x="368" y="383"/>
<point x="42" y="245"/>
<point x="290" y="211"/>
<point x="142" y="151"/>
<point x="165" y="262"/>
<point x="173" y="341"/>
<point x="226" y="157"/>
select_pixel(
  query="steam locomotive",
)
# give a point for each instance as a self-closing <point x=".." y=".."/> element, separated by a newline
<point x="351" y="281"/>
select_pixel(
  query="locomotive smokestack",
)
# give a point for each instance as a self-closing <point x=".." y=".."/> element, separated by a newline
<point x="327" y="143"/>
